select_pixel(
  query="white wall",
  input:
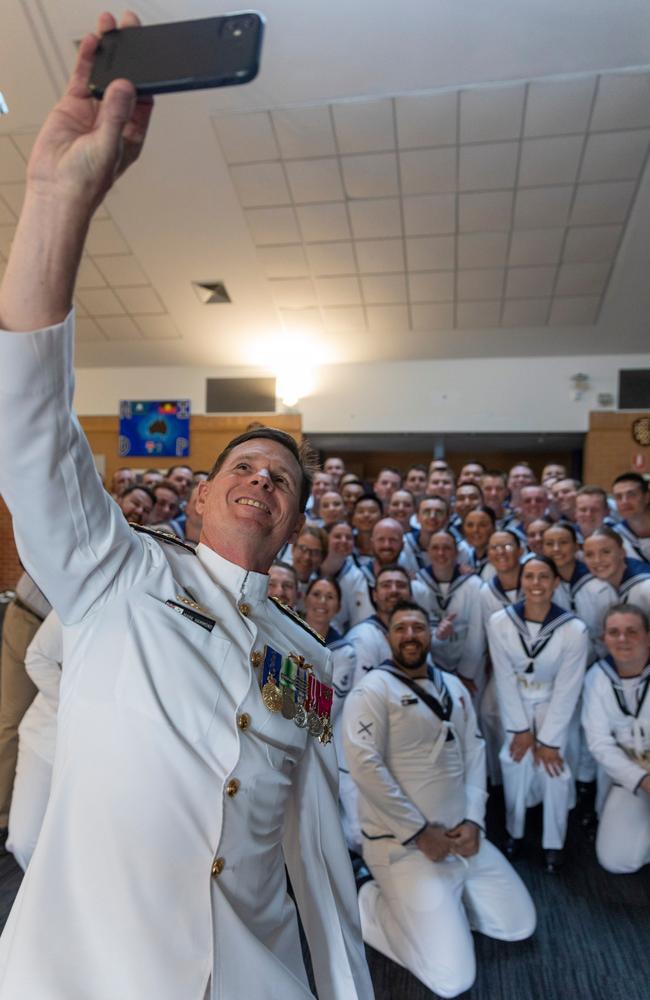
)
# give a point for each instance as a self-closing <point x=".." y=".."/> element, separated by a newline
<point x="508" y="394"/>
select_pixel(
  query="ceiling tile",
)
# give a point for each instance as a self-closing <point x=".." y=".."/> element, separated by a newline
<point x="347" y="318"/>
<point x="87" y="329"/>
<point x="384" y="289"/>
<point x="559" y="107"/>
<point x="293" y="293"/>
<point x="426" y="120"/>
<point x="623" y="101"/>
<point x="121" y="270"/>
<point x="430" y="316"/>
<point x="428" y="171"/>
<point x="157" y="327"/>
<point x="315" y="180"/>
<point x="530" y="282"/>
<point x="7" y="215"/>
<point x="431" y="253"/>
<point x="525" y="312"/>
<point x="260" y="184"/>
<point x="301" y="320"/>
<point x="602" y="203"/>
<point x="380" y="256"/>
<point x="303" y="132"/>
<point x="371" y="175"/>
<point x="387" y="318"/>
<point x="488" y="210"/>
<point x="591" y="243"/>
<point x="482" y="284"/>
<point x="482" y="249"/>
<point x="550" y="161"/>
<point x="25" y="143"/>
<point x="105" y="238"/>
<point x="372" y="218"/>
<point x="119" y="328"/>
<point x="582" y="279"/>
<point x="478" y="315"/>
<point x="13" y="194"/>
<point x="6" y="239"/>
<point x="283" y="262"/>
<point x="574" y="312"/>
<point x="80" y="307"/>
<point x="614" y="156"/>
<point x="436" y="286"/>
<point x="273" y="225"/>
<point x="429" y="214"/>
<point x="364" y="126"/>
<point x="338" y="291"/>
<point x="488" y="114"/>
<point x="12" y="165"/>
<point x="89" y="276"/>
<point x="140" y="300"/>
<point x="331" y="258"/>
<point x="100" y="302"/>
<point x="539" y="207"/>
<point x="246" y="138"/>
<point x="536" y="246"/>
<point x="320" y="223"/>
<point x="491" y="165"/>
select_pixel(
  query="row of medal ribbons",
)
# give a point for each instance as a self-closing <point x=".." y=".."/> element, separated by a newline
<point x="290" y="686"/>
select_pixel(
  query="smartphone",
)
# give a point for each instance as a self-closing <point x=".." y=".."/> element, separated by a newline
<point x="186" y="55"/>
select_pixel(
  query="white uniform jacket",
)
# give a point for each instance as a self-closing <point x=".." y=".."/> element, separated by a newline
<point x="616" y="721"/>
<point x="412" y="557"/>
<point x="177" y="797"/>
<point x="43" y="664"/>
<point x="549" y="669"/>
<point x="636" y="547"/>
<point x="355" y="599"/>
<point x="464" y="652"/>
<point x="402" y="756"/>
<point x="588" y="598"/>
<point x="369" y="639"/>
<point x="494" y="597"/>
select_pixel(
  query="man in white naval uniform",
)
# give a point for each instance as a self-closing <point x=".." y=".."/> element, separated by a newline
<point x="412" y="746"/>
<point x="616" y="720"/>
<point x="177" y="795"/>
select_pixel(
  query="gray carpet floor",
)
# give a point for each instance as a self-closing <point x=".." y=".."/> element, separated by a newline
<point x="592" y="940"/>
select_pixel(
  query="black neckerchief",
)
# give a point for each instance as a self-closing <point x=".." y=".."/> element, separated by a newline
<point x="617" y="686"/>
<point x="555" y="618"/>
<point x="442" y="708"/>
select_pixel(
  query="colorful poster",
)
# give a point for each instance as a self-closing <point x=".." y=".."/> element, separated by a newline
<point x="155" y="428"/>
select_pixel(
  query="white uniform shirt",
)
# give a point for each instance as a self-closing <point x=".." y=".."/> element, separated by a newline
<point x="408" y="772"/>
<point x="464" y="652"/>
<point x="548" y="669"/>
<point x="588" y="598"/>
<point x="43" y="664"/>
<point x="177" y="797"/>
<point x="616" y="721"/>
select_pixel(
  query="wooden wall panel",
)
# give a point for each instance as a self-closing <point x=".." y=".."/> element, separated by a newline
<point x="366" y="466"/>
<point x="610" y="448"/>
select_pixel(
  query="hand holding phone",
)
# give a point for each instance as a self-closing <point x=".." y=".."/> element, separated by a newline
<point x="185" y="55"/>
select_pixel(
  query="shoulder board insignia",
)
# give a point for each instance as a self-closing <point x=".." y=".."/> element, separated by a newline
<point x="286" y="610"/>
<point x="163" y="536"/>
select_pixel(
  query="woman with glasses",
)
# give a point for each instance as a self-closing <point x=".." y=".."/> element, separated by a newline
<point x="307" y="554"/>
<point x="433" y="515"/>
<point x="539" y="656"/>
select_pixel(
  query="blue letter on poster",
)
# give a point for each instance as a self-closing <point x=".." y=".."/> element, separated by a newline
<point x="155" y="428"/>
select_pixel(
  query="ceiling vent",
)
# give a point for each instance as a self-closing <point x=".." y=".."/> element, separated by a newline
<point x="210" y="292"/>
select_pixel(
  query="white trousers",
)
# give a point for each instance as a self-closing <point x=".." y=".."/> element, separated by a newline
<point x="492" y="729"/>
<point x="623" y="839"/>
<point x="420" y="913"/>
<point x="526" y="784"/>
<point x="28" y="803"/>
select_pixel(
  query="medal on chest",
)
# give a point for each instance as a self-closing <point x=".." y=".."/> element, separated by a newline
<point x="290" y="686"/>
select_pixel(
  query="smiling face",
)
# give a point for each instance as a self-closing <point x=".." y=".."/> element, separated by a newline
<point x="630" y="498"/>
<point x="332" y="507"/>
<point x="440" y="484"/>
<point x="282" y="584"/>
<point x="341" y="539"/>
<point x="182" y="478"/>
<point x="366" y="514"/>
<point x="538" y="582"/>
<point x="604" y="556"/>
<point x="250" y="508"/>
<point x="321" y="604"/>
<point x="468" y="497"/>
<point x="503" y="551"/>
<point x="351" y="493"/>
<point x="535" y="535"/>
<point x="564" y="497"/>
<point x="560" y="546"/>
<point x="495" y="492"/>
<point x="307" y="555"/>
<point x="442" y="553"/>
<point x="477" y="528"/>
<point x="402" y="507"/>
<point x="136" y="506"/>
<point x="627" y="639"/>
<point x="409" y="637"/>
<point x="391" y="586"/>
<point x="387" y="538"/>
<point x="591" y="510"/>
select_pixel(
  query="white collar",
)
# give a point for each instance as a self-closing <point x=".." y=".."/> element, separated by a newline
<point x="234" y="579"/>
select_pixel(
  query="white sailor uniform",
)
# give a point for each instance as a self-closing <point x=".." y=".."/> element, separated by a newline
<point x="36" y="741"/>
<point x="413" y="768"/>
<point x="616" y="719"/>
<point x="343" y="673"/>
<point x="413" y="557"/>
<point x="636" y="547"/>
<point x="176" y="794"/>
<point x="539" y="680"/>
<point x="464" y="652"/>
<point x="355" y="599"/>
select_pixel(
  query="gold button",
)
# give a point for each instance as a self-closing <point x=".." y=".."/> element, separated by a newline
<point x="244" y="720"/>
<point x="256" y="657"/>
<point x="218" y="866"/>
<point x="232" y="787"/>
<point x="244" y="609"/>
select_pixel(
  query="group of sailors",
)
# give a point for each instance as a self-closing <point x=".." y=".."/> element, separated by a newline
<point x="488" y="626"/>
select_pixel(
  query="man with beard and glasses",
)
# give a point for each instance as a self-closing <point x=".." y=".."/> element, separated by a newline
<point x="414" y="752"/>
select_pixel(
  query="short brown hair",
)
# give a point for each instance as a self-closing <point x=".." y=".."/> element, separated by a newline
<point x="303" y="454"/>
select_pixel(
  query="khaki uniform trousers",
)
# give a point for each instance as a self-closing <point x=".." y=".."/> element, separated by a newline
<point x="17" y="692"/>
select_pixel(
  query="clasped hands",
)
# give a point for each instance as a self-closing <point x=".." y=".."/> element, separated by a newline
<point x="436" y="841"/>
<point x="549" y="757"/>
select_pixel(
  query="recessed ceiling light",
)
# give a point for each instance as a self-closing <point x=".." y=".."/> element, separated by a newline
<point x="210" y="292"/>
<point x="4" y="110"/>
